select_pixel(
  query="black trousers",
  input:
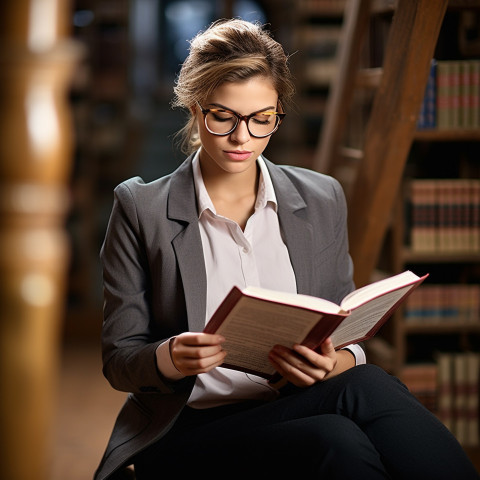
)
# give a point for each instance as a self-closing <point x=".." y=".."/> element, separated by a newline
<point x="362" y="424"/>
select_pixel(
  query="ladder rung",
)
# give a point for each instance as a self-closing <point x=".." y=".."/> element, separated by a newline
<point x="384" y="6"/>
<point x="351" y="153"/>
<point x="369" y="77"/>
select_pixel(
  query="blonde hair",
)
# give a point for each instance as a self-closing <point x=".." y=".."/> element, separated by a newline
<point x="228" y="51"/>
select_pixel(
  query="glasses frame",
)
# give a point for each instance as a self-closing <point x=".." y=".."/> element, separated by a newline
<point x="239" y="118"/>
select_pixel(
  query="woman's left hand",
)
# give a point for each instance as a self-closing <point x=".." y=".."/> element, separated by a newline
<point x="303" y="366"/>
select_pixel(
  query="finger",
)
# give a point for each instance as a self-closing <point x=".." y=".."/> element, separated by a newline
<point x="191" y="344"/>
<point x="189" y="366"/>
<point x="327" y="348"/>
<point x="300" y="357"/>
<point x="179" y="350"/>
<point x="302" y="361"/>
<point x="326" y="358"/>
<point x="198" y="339"/>
<point x="194" y="353"/>
<point x="295" y="364"/>
<point x="289" y="372"/>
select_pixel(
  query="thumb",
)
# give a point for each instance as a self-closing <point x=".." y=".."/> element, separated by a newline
<point x="327" y="348"/>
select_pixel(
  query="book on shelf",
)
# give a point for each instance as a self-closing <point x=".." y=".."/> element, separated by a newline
<point x="451" y="97"/>
<point x="472" y="403"/>
<point x="444" y="215"/>
<point x="421" y="380"/>
<point x="458" y="387"/>
<point x="254" y="319"/>
<point x="428" y="111"/>
<point x="445" y="304"/>
<point x="445" y="389"/>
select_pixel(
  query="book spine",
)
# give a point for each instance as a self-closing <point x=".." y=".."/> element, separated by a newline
<point x="460" y="397"/>
<point x="445" y="389"/>
<point x="421" y="380"/>
<point x="457" y="395"/>
<point x="444" y="304"/>
<point x="427" y="114"/>
<point x="465" y="224"/>
<point x="444" y="215"/>
<point x="443" y="205"/>
<point x="442" y="94"/>
<point x="465" y="111"/>
<point x="472" y="403"/>
<point x="432" y="96"/>
<point x="423" y="215"/>
<point x="474" y="216"/>
<point x="454" y="94"/>
<point x="475" y="93"/>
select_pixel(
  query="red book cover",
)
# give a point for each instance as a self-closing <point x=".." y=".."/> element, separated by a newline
<point x="254" y="319"/>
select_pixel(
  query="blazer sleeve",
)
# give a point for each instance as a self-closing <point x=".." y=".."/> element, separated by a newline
<point x="128" y="342"/>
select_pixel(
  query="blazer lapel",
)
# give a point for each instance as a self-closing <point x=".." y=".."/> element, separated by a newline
<point x="297" y="232"/>
<point x="187" y="243"/>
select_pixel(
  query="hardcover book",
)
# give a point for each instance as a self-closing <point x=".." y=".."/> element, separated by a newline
<point x="253" y="320"/>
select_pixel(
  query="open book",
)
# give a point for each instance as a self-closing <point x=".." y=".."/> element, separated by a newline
<point x="254" y="319"/>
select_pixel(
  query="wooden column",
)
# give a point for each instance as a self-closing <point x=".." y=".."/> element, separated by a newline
<point x="36" y="63"/>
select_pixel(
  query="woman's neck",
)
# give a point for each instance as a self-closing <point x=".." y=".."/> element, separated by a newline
<point x="233" y="194"/>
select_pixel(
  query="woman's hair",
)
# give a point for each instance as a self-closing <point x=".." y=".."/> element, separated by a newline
<point x="228" y="51"/>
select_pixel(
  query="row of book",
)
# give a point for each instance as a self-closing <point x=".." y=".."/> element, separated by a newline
<point x="444" y="215"/>
<point x="444" y="304"/>
<point x="452" y="95"/>
<point x="450" y="389"/>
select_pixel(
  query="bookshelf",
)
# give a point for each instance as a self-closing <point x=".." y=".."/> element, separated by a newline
<point x="435" y="338"/>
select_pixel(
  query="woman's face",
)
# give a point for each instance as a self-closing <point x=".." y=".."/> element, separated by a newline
<point x="236" y="152"/>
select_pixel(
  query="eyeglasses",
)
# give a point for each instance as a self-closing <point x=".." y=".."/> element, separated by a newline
<point x="221" y="121"/>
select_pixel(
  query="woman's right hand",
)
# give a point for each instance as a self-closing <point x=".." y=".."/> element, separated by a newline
<point x="193" y="353"/>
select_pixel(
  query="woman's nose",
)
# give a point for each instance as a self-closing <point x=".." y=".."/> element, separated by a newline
<point x="241" y="134"/>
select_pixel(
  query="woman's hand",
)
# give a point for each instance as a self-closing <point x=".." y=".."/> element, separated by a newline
<point x="304" y="367"/>
<point x="193" y="353"/>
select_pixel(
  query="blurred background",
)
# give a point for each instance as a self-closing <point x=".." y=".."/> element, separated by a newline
<point x="123" y="121"/>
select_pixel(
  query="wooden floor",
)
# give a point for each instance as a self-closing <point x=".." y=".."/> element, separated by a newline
<point x="86" y="409"/>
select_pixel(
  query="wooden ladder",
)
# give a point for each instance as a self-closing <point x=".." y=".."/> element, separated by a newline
<point x="399" y="89"/>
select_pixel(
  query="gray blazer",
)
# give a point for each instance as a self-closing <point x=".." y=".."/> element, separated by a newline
<point x="155" y="285"/>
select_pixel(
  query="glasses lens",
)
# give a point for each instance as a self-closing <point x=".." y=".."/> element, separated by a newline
<point x="223" y="121"/>
<point x="263" y="124"/>
<point x="220" y="121"/>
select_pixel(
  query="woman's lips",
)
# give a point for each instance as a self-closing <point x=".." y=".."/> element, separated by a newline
<point x="238" y="155"/>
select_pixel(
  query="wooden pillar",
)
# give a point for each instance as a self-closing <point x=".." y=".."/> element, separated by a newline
<point x="36" y="63"/>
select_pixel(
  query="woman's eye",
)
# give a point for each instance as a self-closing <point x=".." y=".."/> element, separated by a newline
<point x="262" y="119"/>
<point x="222" y="116"/>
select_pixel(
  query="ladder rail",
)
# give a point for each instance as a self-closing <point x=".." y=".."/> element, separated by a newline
<point x="391" y="127"/>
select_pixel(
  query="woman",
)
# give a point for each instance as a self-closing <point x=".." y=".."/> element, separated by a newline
<point x="227" y="216"/>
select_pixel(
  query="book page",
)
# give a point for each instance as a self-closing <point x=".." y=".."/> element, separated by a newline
<point x="364" y="318"/>
<point x="297" y="299"/>
<point x="267" y="324"/>
<point x="368" y="292"/>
